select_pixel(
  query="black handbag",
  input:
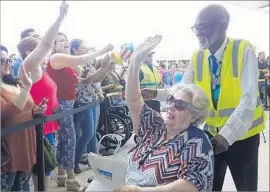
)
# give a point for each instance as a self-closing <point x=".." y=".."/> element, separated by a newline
<point x="5" y="157"/>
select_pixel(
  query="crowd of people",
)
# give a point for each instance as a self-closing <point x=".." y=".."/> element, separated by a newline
<point x="264" y="67"/>
<point x="172" y="153"/>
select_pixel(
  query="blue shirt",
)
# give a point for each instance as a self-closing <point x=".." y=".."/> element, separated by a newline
<point x="16" y="66"/>
<point x="167" y="78"/>
<point x="177" y="77"/>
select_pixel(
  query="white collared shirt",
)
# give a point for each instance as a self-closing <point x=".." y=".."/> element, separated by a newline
<point x="242" y="118"/>
<point x="220" y="51"/>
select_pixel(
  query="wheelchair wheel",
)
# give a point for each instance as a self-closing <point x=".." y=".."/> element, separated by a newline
<point x="118" y="126"/>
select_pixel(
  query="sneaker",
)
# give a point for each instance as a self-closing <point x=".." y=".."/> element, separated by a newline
<point x="60" y="180"/>
<point x="74" y="185"/>
<point x="77" y="169"/>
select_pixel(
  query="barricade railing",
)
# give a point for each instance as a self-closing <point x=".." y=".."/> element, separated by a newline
<point x="39" y="122"/>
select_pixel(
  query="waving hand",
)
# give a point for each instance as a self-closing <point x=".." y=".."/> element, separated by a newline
<point x="141" y="52"/>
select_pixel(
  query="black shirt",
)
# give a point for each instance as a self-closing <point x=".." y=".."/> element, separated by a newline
<point x="261" y="66"/>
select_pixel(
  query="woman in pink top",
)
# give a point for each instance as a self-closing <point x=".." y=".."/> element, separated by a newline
<point x="44" y="88"/>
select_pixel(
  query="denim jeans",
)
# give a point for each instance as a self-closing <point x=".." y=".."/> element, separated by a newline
<point x="51" y="139"/>
<point x="261" y="87"/>
<point x="77" y="118"/>
<point x="88" y="121"/>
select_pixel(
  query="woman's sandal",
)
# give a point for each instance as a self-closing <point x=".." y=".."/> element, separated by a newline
<point x="74" y="185"/>
<point x="61" y="180"/>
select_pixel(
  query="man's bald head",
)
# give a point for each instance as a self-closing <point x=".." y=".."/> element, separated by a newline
<point x="211" y="24"/>
<point x="217" y="13"/>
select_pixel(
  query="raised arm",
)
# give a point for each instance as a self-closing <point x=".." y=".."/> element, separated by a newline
<point x="33" y="60"/>
<point x="133" y="92"/>
<point x="99" y="74"/>
<point x="60" y="60"/>
<point x="17" y="104"/>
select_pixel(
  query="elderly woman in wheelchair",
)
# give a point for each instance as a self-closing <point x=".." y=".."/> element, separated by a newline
<point x="172" y="154"/>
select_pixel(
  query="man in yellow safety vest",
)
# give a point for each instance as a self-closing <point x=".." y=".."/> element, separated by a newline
<point x="227" y="70"/>
<point x="150" y="78"/>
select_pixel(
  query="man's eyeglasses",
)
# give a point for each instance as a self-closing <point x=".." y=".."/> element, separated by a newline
<point x="202" y="27"/>
<point x="179" y="104"/>
<point x="5" y="62"/>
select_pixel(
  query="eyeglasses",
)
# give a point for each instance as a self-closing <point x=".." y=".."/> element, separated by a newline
<point x="5" y="62"/>
<point x="203" y="27"/>
<point x="179" y="104"/>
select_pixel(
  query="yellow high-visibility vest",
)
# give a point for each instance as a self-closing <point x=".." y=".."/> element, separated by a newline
<point x="230" y="90"/>
<point x="151" y="79"/>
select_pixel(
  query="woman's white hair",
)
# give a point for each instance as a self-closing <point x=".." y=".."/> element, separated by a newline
<point x="199" y="100"/>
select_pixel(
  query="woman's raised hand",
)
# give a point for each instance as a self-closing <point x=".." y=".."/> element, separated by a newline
<point x="141" y="52"/>
<point x="25" y="77"/>
<point x="63" y="10"/>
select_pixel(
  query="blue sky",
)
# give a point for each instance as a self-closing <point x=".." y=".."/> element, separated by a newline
<point x="114" y="22"/>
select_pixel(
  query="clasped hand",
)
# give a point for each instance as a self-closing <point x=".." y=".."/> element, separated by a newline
<point x="220" y="144"/>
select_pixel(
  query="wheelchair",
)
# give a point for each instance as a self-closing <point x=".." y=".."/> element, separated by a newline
<point x="114" y="119"/>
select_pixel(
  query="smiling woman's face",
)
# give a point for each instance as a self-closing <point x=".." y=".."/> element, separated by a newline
<point x="6" y="67"/>
<point x="177" y="119"/>
<point x="61" y="44"/>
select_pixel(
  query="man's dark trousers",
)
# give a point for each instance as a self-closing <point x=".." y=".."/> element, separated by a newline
<point x="242" y="160"/>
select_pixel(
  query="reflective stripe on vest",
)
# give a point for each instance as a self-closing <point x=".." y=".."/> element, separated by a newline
<point x="228" y="112"/>
<point x="200" y="59"/>
<point x="149" y="85"/>
<point x="261" y="80"/>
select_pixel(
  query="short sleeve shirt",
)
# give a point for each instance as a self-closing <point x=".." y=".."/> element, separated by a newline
<point x="152" y="162"/>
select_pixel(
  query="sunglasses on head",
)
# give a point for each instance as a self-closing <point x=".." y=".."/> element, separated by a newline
<point x="5" y="61"/>
<point x="179" y="104"/>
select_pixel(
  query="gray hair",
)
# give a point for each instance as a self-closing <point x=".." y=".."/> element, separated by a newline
<point x="199" y="100"/>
